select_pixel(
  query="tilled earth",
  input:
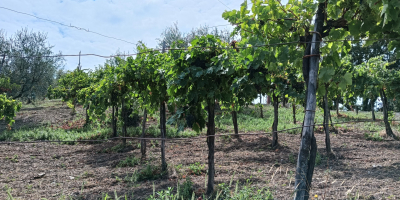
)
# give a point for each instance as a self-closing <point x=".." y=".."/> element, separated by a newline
<point x="55" y="114"/>
<point x="362" y="169"/>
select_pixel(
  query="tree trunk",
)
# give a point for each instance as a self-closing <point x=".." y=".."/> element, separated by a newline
<point x="125" y="120"/>
<point x="116" y="114"/>
<point x="114" y="122"/>
<point x="261" y="110"/>
<point x="211" y="145"/>
<point x="373" y="109"/>
<point x="326" y="122"/>
<point x="337" y="105"/>
<point x="143" y="142"/>
<point x="294" y="113"/>
<point x="73" y="103"/>
<point x="235" y="124"/>
<point x="284" y="102"/>
<point x="163" y="135"/>
<point x="87" y="120"/>
<point x="308" y="146"/>
<point x="330" y="118"/>
<point x="275" y="100"/>
<point x="389" y="131"/>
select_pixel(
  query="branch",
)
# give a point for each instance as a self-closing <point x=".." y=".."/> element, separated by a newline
<point x="339" y="23"/>
<point x="285" y="10"/>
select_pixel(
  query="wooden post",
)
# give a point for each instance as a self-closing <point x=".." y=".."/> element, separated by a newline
<point x="124" y="119"/>
<point x="275" y="101"/>
<point x="294" y="112"/>
<point x="211" y="146"/>
<point x="308" y="145"/>
<point x="326" y="122"/>
<point x="373" y="108"/>
<point x="235" y="124"/>
<point x="162" y="126"/>
<point x="143" y="142"/>
<point x="261" y="110"/>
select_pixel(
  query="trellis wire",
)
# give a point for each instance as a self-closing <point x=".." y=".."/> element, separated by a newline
<point x="191" y="138"/>
<point x="254" y="46"/>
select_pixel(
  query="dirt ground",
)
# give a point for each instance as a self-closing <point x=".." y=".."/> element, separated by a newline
<point x="365" y="169"/>
<point x="52" y="112"/>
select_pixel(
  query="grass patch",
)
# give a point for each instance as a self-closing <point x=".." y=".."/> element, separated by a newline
<point x="117" y="148"/>
<point x="85" y="133"/>
<point x="150" y="172"/>
<point x="223" y="191"/>
<point x="47" y="133"/>
<point x="248" y="121"/>
<point x="318" y="159"/>
<point x="129" y="162"/>
<point x="373" y="136"/>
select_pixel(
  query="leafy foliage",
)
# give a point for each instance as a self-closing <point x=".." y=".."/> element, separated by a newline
<point x="8" y="106"/>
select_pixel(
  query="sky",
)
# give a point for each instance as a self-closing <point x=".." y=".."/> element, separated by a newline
<point x="130" y="20"/>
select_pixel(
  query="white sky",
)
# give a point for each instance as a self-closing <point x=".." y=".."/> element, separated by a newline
<point x="132" y="20"/>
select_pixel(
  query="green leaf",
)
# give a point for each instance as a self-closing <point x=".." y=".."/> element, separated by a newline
<point x="199" y="73"/>
<point x="336" y="58"/>
<point x="346" y="80"/>
<point x="326" y="74"/>
<point x="348" y="77"/>
<point x="354" y="27"/>
<point x="335" y="34"/>
<point x="385" y="7"/>
<point x="196" y="127"/>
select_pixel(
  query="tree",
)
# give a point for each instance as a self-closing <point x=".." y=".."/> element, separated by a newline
<point x="273" y="23"/>
<point x="362" y="53"/>
<point x="8" y="107"/>
<point x="68" y="87"/>
<point x="30" y="64"/>
<point x="198" y="77"/>
<point x="153" y="67"/>
<point x="5" y="47"/>
<point x="379" y="78"/>
<point x="334" y="75"/>
<point x="172" y="34"/>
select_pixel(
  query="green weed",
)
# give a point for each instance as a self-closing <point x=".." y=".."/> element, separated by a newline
<point x="186" y="189"/>
<point x="129" y="162"/>
<point x="318" y="159"/>
<point x="14" y="159"/>
<point x="196" y="168"/>
<point x="373" y="136"/>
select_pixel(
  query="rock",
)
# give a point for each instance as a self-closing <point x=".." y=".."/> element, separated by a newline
<point x="40" y="175"/>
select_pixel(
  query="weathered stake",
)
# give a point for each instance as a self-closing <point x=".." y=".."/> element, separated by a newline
<point x="163" y="127"/>
<point x="275" y="100"/>
<point x="326" y="122"/>
<point x="211" y="145"/>
<point x="143" y="142"/>
<point x="308" y="146"/>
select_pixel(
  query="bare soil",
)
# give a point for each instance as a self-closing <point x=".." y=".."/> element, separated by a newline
<point x="54" y="112"/>
<point x="367" y="169"/>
